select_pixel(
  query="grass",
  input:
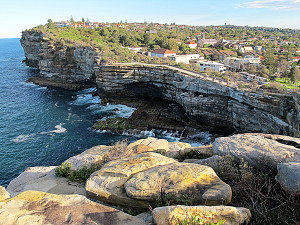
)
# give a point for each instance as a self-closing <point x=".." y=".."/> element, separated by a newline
<point x="196" y="220"/>
<point x="287" y="83"/>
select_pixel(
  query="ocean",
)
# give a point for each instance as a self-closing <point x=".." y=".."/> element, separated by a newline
<point x="43" y="126"/>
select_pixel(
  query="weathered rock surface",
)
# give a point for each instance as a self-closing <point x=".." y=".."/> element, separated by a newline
<point x="94" y="155"/>
<point x="263" y="151"/>
<point x="150" y="144"/>
<point x="289" y="177"/>
<point x="172" y="215"/>
<point x="43" y="179"/>
<point x="3" y="193"/>
<point x="211" y="161"/>
<point x="39" y="208"/>
<point x="107" y="184"/>
<point x="194" y="182"/>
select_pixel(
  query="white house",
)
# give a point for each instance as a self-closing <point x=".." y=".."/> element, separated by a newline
<point x="191" y="44"/>
<point x="162" y="53"/>
<point x="184" y="58"/>
<point x="214" y="66"/>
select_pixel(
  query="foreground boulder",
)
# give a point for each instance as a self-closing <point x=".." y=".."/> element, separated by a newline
<point x="107" y="184"/>
<point x="288" y="177"/>
<point x="173" y="215"/>
<point x="140" y="180"/>
<point x="263" y="151"/>
<point x="94" y="155"/>
<point x="3" y="194"/>
<point x="43" y="179"/>
<point x="39" y="208"/>
<point x="196" y="183"/>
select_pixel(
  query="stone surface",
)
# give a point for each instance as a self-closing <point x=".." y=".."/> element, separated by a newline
<point x="289" y="177"/>
<point x="94" y="155"/>
<point x="43" y="179"/>
<point x="107" y="184"/>
<point x="211" y="161"/>
<point x="172" y="215"/>
<point x="263" y="151"/>
<point x="184" y="180"/>
<point x="3" y="193"/>
<point x="39" y="208"/>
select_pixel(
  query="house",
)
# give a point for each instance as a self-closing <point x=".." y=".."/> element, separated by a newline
<point x="246" y="49"/>
<point x="234" y="63"/>
<point x="184" y="58"/>
<point x="214" y="66"/>
<point x="162" y="53"/>
<point x="191" y="44"/>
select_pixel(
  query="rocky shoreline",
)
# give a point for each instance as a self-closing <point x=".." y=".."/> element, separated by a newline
<point x="150" y="173"/>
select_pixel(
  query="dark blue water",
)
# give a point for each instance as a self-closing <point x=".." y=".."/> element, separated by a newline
<point x="41" y="126"/>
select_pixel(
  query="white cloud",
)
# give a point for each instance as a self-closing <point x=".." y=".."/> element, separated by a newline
<point x="273" y="4"/>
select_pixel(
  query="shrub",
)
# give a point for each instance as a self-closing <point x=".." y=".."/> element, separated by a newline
<point x="196" y="220"/>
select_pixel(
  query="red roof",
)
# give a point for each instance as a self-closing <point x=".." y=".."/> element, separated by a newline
<point x="191" y="43"/>
<point x="163" y="51"/>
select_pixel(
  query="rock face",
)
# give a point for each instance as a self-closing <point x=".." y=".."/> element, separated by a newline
<point x="107" y="184"/>
<point x="191" y="181"/>
<point x="60" y="64"/>
<point x="39" y="208"/>
<point x="172" y="215"/>
<point x="263" y="151"/>
<point x="43" y="179"/>
<point x="289" y="177"/>
<point x="139" y="180"/>
<point x="204" y="99"/>
<point x="3" y="194"/>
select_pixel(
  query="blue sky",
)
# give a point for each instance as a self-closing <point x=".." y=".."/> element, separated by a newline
<point x="17" y="15"/>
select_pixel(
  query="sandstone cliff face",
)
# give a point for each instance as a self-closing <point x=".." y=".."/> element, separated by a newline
<point x="204" y="101"/>
<point x="58" y="62"/>
<point x="211" y="103"/>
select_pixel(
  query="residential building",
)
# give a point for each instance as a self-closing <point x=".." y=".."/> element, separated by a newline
<point x="184" y="58"/>
<point x="162" y="53"/>
<point x="214" y="66"/>
<point x="203" y="42"/>
<point x="191" y="44"/>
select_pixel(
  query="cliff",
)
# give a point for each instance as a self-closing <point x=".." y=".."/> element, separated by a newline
<point x="204" y="100"/>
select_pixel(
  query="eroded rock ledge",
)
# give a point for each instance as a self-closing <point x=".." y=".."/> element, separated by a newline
<point x="205" y="102"/>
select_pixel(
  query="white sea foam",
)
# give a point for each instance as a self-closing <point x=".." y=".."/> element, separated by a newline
<point x="25" y="137"/>
<point x="59" y="129"/>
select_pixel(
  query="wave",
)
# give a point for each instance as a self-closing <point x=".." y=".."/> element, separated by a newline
<point x="25" y="137"/>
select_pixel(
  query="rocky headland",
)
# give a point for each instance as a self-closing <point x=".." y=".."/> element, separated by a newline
<point x="204" y="100"/>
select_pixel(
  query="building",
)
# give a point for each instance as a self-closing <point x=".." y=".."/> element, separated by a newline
<point x="234" y="63"/>
<point x="184" y="58"/>
<point x="203" y="42"/>
<point x="213" y="66"/>
<point x="191" y="44"/>
<point x="163" y="53"/>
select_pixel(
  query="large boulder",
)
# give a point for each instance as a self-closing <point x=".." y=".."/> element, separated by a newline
<point x="173" y="215"/>
<point x="39" y="208"/>
<point x="43" y="179"/>
<point x="288" y="177"/>
<point x="263" y="151"/>
<point x="151" y="144"/>
<point x="3" y="194"/>
<point x="196" y="183"/>
<point x="107" y="184"/>
<point x="94" y="155"/>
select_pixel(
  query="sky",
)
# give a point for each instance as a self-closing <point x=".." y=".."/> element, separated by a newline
<point x="18" y="15"/>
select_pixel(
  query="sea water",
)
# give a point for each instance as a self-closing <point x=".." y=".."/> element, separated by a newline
<point x="43" y="126"/>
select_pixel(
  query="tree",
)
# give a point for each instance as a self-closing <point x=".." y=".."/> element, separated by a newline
<point x="50" y="24"/>
<point x="71" y="19"/>
<point x="82" y="20"/>
<point x="87" y="20"/>
<point x="294" y="74"/>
